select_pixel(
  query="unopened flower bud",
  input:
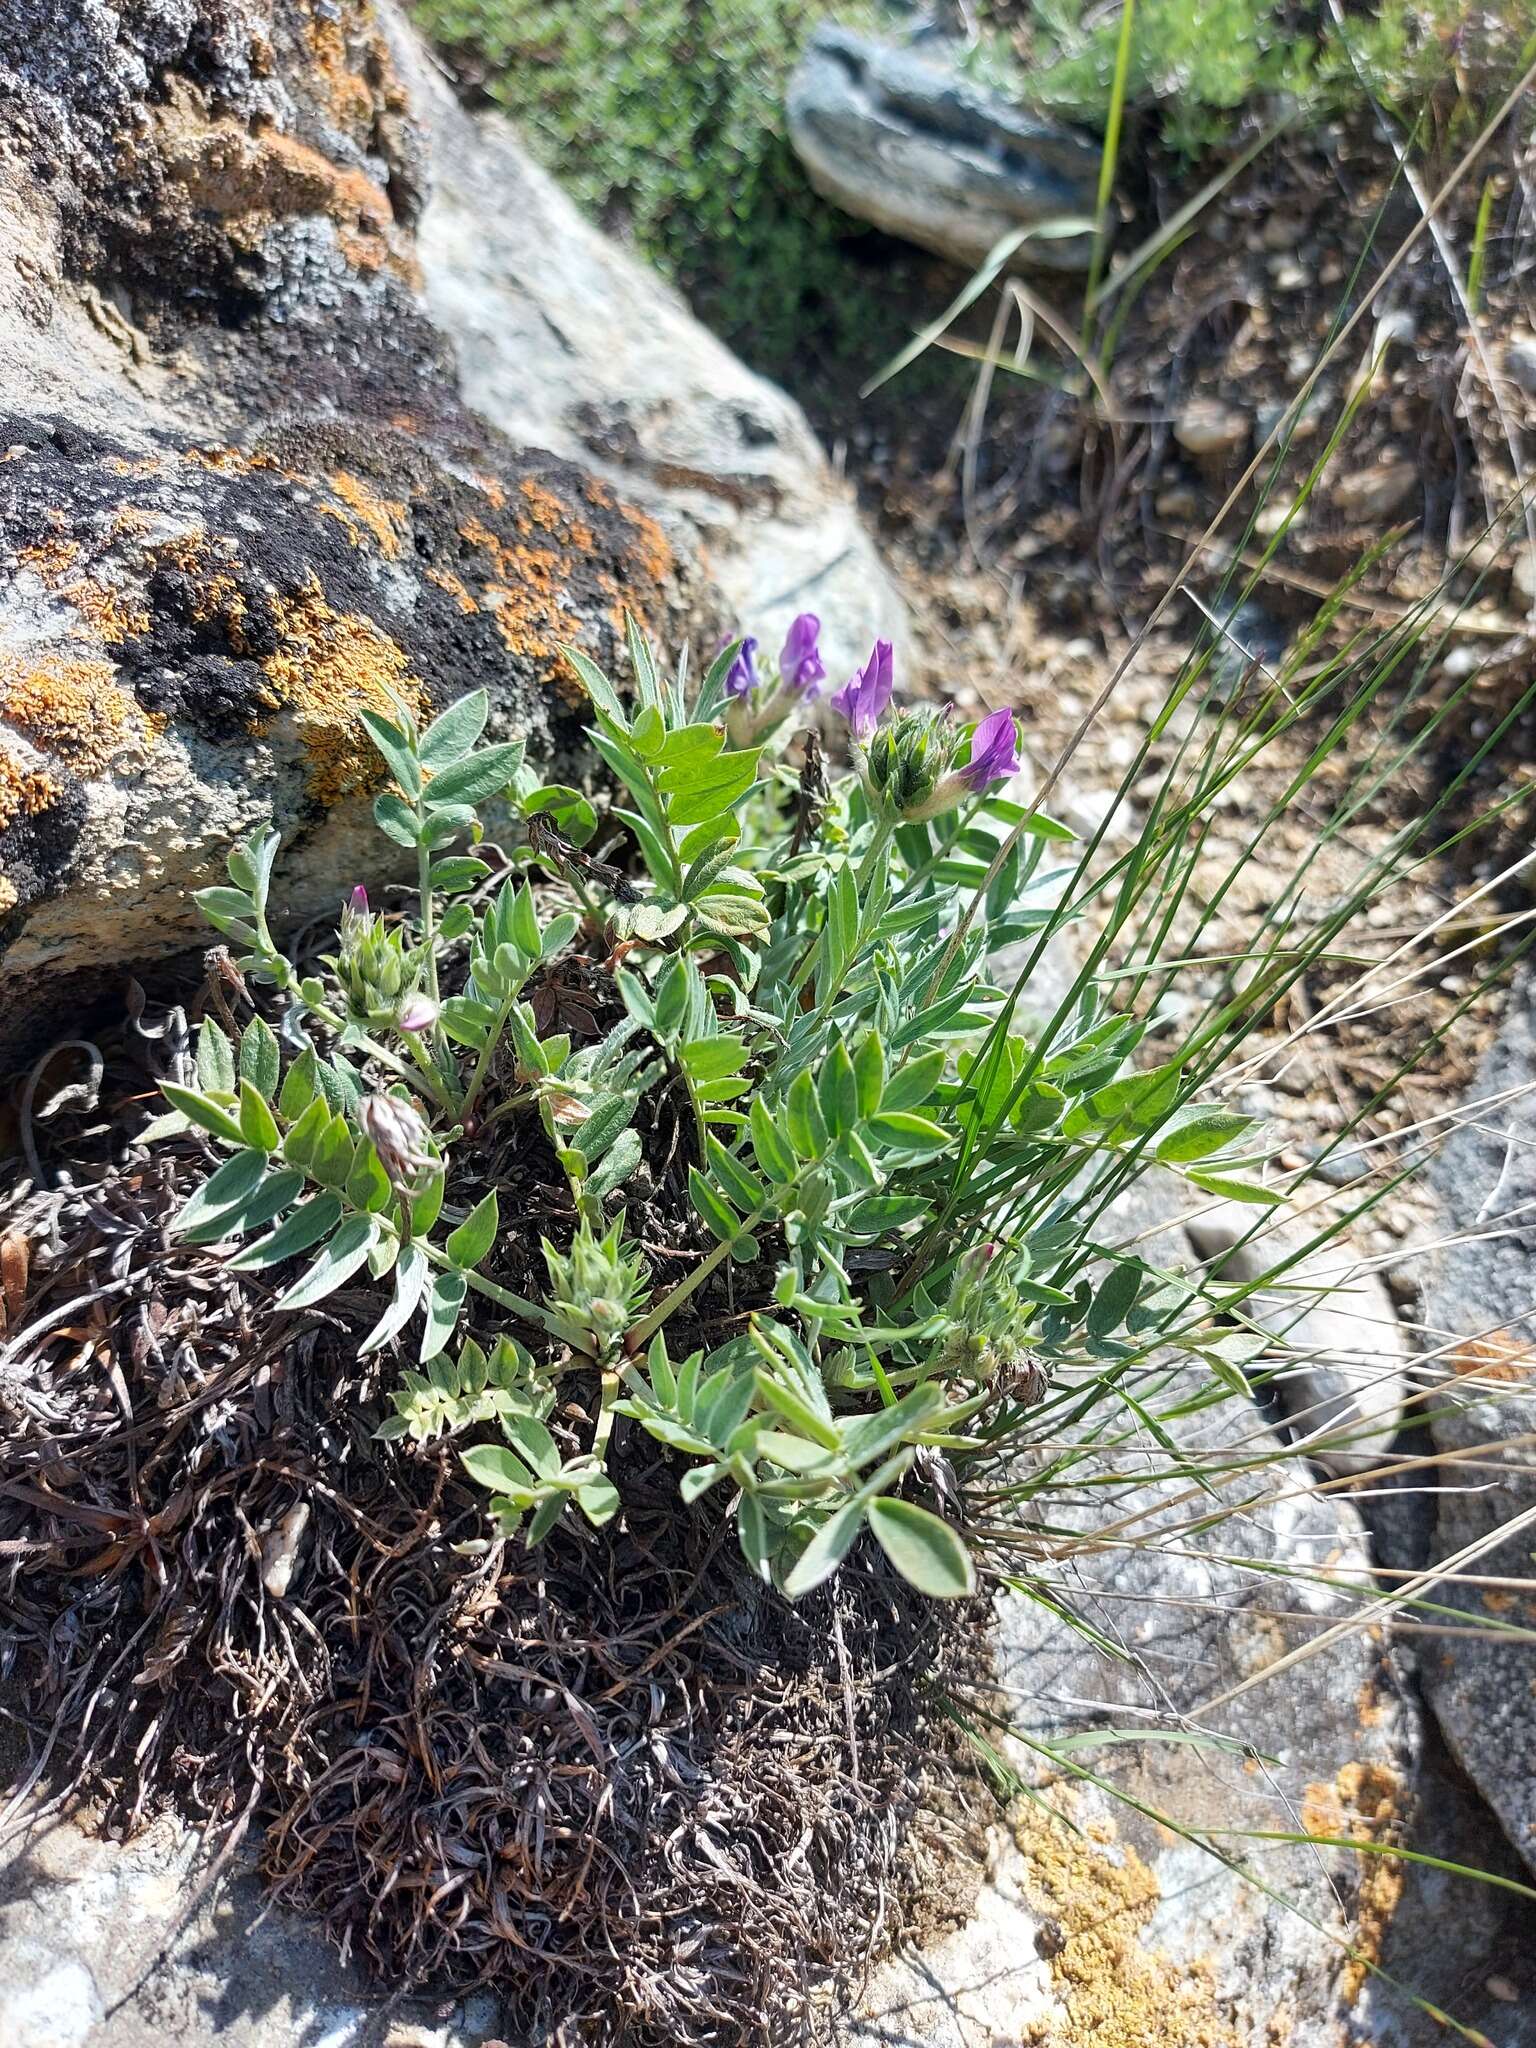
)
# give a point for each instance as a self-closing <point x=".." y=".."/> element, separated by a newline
<point x="399" y="1135"/>
<point x="417" y="1013"/>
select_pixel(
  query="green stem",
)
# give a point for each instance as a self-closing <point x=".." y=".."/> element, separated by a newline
<point x="487" y="1051"/>
<point x="519" y="1304"/>
<point x="427" y="909"/>
<point x="324" y="1014"/>
<point x="642" y="1332"/>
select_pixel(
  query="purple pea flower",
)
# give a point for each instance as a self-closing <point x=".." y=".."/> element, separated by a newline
<point x="741" y="676"/>
<point x="866" y="696"/>
<point x="994" y="752"/>
<point x="800" y="662"/>
<point x="417" y="1013"/>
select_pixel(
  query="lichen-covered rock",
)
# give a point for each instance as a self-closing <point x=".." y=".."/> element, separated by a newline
<point x="1480" y="1311"/>
<point x="596" y="357"/>
<point x="1105" y="1917"/>
<point x="241" y="495"/>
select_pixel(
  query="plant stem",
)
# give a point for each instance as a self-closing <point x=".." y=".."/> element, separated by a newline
<point x="519" y="1304"/>
<point x="643" y="1331"/>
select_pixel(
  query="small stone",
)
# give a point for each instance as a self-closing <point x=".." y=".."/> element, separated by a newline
<point x="1179" y="503"/>
<point x="1288" y="277"/>
<point x="1209" y="428"/>
<point x="1377" y="493"/>
<point x="1501" y="1989"/>
<point x="1520" y="361"/>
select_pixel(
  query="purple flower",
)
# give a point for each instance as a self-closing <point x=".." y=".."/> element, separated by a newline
<point x="800" y="662"/>
<point x="741" y="676"/>
<point x="994" y="752"/>
<point x="360" y="900"/>
<point x="416" y="1013"/>
<point x="865" y="696"/>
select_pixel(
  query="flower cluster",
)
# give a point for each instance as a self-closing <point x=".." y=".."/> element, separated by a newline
<point x="910" y="762"/>
<point x="376" y="971"/>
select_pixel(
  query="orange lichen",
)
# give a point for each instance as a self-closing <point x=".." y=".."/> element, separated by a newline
<point x="362" y="510"/>
<point x="106" y="607"/>
<point x="1116" y="1993"/>
<point x="24" y="791"/>
<point x="1361" y="1804"/>
<point x="354" y="76"/>
<point x="223" y="461"/>
<point x="1501" y="1356"/>
<point x="550" y="515"/>
<point x="524" y="592"/>
<point x="50" y="558"/>
<point x="330" y="666"/>
<point x="456" y="589"/>
<point x="73" y="710"/>
<point x="251" y="179"/>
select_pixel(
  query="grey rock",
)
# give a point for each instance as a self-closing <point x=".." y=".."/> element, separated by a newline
<point x="1481" y="1311"/>
<point x="1343" y="1371"/>
<point x="242" y="493"/>
<point x="901" y="141"/>
<point x="1100" y="1921"/>
<point x="563" y="339"/>
<point x="93" y="1954"/>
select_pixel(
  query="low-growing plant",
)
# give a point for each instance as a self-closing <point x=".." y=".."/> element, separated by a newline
<point x="889" y="1161"/>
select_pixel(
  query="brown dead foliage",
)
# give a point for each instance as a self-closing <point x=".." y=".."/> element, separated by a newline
<point x="615" y="1779"/>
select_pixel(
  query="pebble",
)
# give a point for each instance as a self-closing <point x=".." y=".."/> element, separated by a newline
<point x="1520" y="361"/>
<point x="1377" y="492"/>
<point x="1210" y="428"/>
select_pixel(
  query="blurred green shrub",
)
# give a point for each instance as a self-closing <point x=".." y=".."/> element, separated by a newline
<point x="1202" y="63"/>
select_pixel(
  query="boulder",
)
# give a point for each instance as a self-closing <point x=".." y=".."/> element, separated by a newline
<point x="242" y="494"/>
<point x="1103" y="1917"/>
<point x="1480" y="1319"/>
<point x="595" y="357"/>
<point x="899" y="139"/>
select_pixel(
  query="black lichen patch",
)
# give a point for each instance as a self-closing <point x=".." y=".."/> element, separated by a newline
<point x="37" y="847"/>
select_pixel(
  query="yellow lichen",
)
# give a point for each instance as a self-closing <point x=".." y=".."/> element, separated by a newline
<point x="330" y="666"/>
<point x="1116" y="1993"/>
<point x="456" y="589"/>
<point x="73" y="710"/>
<point x="24" y="791"/>
<point x="1362" y="1804"/>
<point x="362" y="510"/>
